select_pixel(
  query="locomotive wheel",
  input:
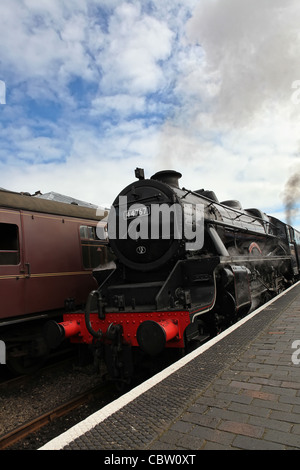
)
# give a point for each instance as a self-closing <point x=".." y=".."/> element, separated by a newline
<point x="28" y="357"/>
<point x="24" y="365"/>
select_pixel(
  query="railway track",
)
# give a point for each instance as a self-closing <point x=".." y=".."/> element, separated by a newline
<point x="34" y="409"/>
<point x="30" y="427"/>
<point x="48" y="402"/>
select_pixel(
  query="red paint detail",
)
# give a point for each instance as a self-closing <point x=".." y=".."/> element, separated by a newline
<point x="173" y="323"/>
<point x="253" y="246"/>
<point x="170" y="328"/>
<point x="71" y="328"/>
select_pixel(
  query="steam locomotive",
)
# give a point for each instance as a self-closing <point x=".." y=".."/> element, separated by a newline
<point x="187" y="267"/>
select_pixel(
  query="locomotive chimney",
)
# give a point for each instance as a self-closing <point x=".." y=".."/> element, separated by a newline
<point x="169" y="177"/>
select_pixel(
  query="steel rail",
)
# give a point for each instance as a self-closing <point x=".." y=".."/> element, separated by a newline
<point x="21" y="432"/>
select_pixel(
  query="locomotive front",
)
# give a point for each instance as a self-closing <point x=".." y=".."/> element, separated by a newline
<point x="152" y="220"/>
<point x="186" y="267"/>
<point x="152" y="226"/>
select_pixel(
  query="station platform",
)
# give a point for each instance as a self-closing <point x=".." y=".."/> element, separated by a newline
<point x="241" y="390"/>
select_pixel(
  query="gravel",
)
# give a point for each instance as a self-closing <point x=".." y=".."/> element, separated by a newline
<point x="23" y="401"/>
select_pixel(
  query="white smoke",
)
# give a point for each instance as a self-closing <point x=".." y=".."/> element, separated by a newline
<point x="237" y="127"/>
<point x="254" y="48"/>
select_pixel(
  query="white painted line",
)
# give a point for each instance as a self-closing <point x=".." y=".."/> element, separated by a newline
<point x="89" y="423"/>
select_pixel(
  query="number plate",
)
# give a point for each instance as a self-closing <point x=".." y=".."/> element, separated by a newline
<point x="136" y="212"/>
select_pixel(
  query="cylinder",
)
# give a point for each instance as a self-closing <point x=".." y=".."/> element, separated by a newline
<point x="152" y="336"/>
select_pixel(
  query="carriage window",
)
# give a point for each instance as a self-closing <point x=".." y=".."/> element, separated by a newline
<point x="9" y="244"/>
<point x="94" y="251"/>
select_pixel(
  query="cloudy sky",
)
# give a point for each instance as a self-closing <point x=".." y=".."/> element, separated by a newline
<point x="92" y="89"/>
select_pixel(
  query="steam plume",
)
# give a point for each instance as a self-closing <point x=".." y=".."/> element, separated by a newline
<point x="254" y="46"/>
<point x="291" y="196"/>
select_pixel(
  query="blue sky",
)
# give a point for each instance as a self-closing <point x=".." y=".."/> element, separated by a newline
<point x="95" y="88"/>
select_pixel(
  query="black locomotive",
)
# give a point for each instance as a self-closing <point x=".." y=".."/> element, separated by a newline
<point x="187" y="267"/>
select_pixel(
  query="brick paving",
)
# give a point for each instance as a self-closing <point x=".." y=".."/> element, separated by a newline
<point x="254" y="403"/>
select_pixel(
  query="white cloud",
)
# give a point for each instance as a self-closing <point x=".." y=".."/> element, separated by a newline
<point x="136" y="43"/>
<point x="236" y="126"/>
<point x="123" y="104"/>
<point x="98" y="87"/>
